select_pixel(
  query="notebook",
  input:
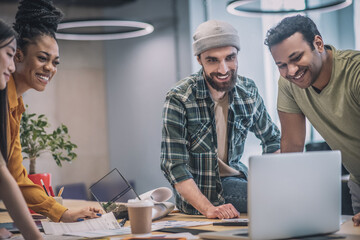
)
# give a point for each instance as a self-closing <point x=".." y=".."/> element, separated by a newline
<point x="291" y="195"/>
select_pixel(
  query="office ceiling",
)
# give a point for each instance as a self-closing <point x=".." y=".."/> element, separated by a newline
<point x="84" y="3"/>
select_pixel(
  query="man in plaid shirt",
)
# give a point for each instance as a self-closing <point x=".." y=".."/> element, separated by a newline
<point x="206" y="119"/>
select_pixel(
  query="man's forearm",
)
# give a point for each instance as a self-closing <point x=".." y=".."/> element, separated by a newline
<point x="192" y="194"/>
<point x="291" y="146"/>
<point x="293" y="131"/>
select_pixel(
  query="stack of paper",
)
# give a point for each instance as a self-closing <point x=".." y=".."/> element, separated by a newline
<point x="105" y="222"/>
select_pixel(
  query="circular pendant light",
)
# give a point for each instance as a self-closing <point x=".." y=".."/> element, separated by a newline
<point x="252" y="8"/>
<point x="136" y="29"/>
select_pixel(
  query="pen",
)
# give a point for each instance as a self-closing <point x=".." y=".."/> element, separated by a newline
<point x="85" y="218"/>
<point x="122" y="222"/>
<point x="42" y="183"/>
<point x="60" y="191"/>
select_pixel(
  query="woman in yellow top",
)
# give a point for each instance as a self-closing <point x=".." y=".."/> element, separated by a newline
<point x="9" y="190"/>
<point x="36" y="60"/>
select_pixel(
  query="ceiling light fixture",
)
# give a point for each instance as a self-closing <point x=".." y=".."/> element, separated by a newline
<point x="141" y="29"/>
<point x="238" y="8"/>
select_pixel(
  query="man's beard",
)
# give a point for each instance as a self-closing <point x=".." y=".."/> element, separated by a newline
<point x="222" y="86"/>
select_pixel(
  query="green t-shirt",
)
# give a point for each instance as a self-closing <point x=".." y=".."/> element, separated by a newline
<point x="335" y="111"/>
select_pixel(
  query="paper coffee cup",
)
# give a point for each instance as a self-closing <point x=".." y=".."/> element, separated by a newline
<point x="140" y="215"/>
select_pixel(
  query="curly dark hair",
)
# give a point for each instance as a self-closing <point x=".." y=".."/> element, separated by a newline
<point x="36" y="18"/>
<point x="290" y="25"/>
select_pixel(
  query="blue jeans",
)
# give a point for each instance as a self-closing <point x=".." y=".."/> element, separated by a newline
<point x="235" y="192"/>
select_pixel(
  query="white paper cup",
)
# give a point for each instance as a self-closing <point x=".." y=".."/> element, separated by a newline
<point x="140" y="216"/>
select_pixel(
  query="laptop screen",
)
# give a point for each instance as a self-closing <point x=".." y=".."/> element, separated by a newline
<point x="291" y="195"/>
<point x="113" y="187"/>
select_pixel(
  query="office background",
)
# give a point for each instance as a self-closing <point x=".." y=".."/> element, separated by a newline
<point x="110" y="93"/>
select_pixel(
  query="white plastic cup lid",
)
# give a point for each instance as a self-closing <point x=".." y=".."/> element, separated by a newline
<point x="139" y="203"/>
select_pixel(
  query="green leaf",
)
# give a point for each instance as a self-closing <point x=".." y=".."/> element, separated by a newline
<point x="35" y="139"/>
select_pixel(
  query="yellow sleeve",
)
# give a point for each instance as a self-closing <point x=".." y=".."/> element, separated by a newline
<point x="34" y="195"/>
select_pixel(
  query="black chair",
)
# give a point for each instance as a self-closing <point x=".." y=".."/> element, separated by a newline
<point x="346" y="204"/>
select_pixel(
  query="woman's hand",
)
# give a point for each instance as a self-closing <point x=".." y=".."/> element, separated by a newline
<point x="80" y="215"/>
<point x="4" y="233"/>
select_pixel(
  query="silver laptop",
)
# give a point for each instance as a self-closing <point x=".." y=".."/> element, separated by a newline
<point x="291" y="195"/>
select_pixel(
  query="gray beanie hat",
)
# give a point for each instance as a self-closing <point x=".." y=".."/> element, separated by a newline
<point x="214" y="34"/>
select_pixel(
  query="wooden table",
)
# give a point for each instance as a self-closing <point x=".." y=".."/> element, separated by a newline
<point x="346" y="228"/>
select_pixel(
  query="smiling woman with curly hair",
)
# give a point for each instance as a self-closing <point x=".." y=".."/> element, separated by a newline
<point x="36" y="60"/>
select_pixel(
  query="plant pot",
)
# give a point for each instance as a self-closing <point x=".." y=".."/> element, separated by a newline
<point x="46" y="177"/>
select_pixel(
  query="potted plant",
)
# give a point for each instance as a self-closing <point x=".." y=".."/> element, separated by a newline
<point x="35" y="140"/>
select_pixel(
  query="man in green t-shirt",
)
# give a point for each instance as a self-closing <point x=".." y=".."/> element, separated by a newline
<point x="322" y="84"/>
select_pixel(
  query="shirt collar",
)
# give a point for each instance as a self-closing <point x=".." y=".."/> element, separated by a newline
<point x="14" y="100"/>
<point x="202" y="89"/>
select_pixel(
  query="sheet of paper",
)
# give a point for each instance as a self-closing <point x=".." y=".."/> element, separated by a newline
<point x="127" y="230"/>
<point x="160" y="210"/>
<point x="47" y="237"/>
<point x="160" y="194"/>
<point x="187" y="236"/>
<point x="101" y="233"/>
<point x="164" y="224"/>
<point x="104" y="233"/>
<point x="105" y="222"/>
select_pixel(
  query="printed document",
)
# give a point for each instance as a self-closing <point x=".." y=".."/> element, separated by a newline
<point x="105" y="222"/>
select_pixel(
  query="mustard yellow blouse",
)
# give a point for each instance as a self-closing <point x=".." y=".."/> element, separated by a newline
<point x="34" y="195"/>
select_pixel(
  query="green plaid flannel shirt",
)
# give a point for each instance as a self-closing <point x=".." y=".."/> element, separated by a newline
<point x="189" y="142"/>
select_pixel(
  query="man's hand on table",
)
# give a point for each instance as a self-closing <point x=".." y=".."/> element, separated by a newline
<point x="191" y="193"/>
<point x="222" y="212"/>
<point x="79" y="215"/>
<point x="356" y="220"/>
